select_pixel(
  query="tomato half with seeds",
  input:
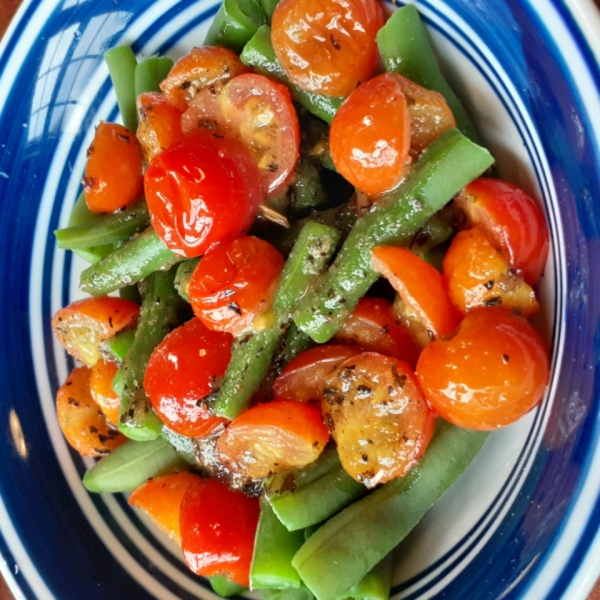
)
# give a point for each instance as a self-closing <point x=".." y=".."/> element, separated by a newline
<point x="182" y="371"/>
<point x="203" y="190"/>
<point x="493" y="371"/>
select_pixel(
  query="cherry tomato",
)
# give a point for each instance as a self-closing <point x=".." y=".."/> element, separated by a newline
<point x="373" y="327"/>
<point x="512" y="220"/>
<point x="159" y="124"/>
<point x="218" y="527"/>
<point x="327" y="46"/>
<point x="421" y="289"/>
<point x="182" y="371"/>
<point x="271" y="437"/>
<point x="370" y="135"/>
<point x="378" y="417"/>
<point x="160" y="498"/>
<point x="234" y="283"/>
<point x="476" y="274"/>
<point x="103" y="373"/>
<point x="491" y="373"/>
<point x="82" y="422"/>
<point x="305" y="377"/>
<point x="202" y="190"/>
<point x="113" y="173"/>
<point x="83" y="325"/>
<point x="260" y="113"/>
<point x="199" y="69"/>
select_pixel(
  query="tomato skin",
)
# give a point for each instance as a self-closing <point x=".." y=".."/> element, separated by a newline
<point x="102" y="375"/>
<point x="234" y="283"/>
<point x="491" y="373"/>
<point x="327" y="46"/>
<point x="512" y="220"/>
<point x="202" y="190"/>
<point x="370" y="135"/>
<point x="218" y="527"/>
<point x="113" y="173"/>
<point x="182" y="371"/>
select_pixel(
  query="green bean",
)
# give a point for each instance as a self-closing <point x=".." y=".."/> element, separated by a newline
<point x="301" y="593"/>
<point x="258" y="53"/>
<point x="121" y="64"/>
<point x="184" y="445"/>
<point x="225" y="588"/>
<point x="405" y="48"/>
<point x="328" y="562"/>
<point x="446" y="166"/>
<point x="437" y="230"/>
<point x="235" y="23"/>
<point x="269" y="7"/>
<point x="183" y="275"/>
<point x="116" y="347"/>
<point x="376" y="584"/>
<point x="306" y="190"/>
<point x="130" y="263"/>
<point x="150" y="72"/>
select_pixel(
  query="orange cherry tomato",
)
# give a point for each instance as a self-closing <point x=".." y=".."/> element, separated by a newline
<point x="271" y="437"/>
<point x="234" y="283"/>
<point x="113" y="173"/>
<point x="159" y="124"/>
<point x="327" y="46"/>
<point x="421" y="288"/>
<point x="512" y="220"/>
<point x="491" y="373"/>
<point x="199" y="69"/>
<point x="200" y="191"/>
<point x="103" y="373"/>
<point x="82" y="422"/>
<point x="182" y="371"/>
<point x="83" y="325"/>
<point x="476" y="274"/>
<point x="260" y="113"/>
<point x="378" y="417"/>
<point x="373" y="327"/>
<point x="305" y="377"/>
<point x="218" y="527"/>
<point x="160" y="498"/>
<point x="370" y="135"/>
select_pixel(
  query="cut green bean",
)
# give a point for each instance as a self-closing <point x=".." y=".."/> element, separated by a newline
<point x="121" y="64"/>
<point x="329" y="563"/>
<point x="184" y="445"/>
<point x="436" y="231"/>
<point x="116" y="347"/>
<point x="259" y="54"/>
<point x="132" y="262"/>
<point x="446" y="166"/>
<point x="306" y="190"/>
<point x="150" y="72"/>
<point x="235" y="23"/>
<point x="131" y="465"/>
<point x="405" y="48"/>
<point x="301" y="593"/>
<point x="225" y="588"/>
<point x="376" y="584"/>
<point x="184" y="275"/>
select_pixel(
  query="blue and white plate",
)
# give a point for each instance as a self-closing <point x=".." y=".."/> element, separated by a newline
<point x="524" y="521"/>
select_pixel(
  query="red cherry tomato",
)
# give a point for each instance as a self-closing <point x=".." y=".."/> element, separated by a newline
<point x="202" y="190"/>
<point x="218" y="526"/>
<point x="259" y="112"/>
<point x="327" y="46"/>
<point x="370" y="135"/>
<point x="512" y="220"/>
<point x="182" y="371"/>
<point x="492" y="372"/>
<point x="234" y="283"/>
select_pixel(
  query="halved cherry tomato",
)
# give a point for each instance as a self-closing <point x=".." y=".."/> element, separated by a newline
<point x="373" y="327"/>
<point x="271" y="437"/>
<point x="378" y="417"/>
<point x="476" y="274"/>
<point x="492" y="372"/>
<point x="160" y="498"/>
<point x="182" y="371"/>
<point x="113" y="173"/>
<point x="199" y="69"/>
<point x="103" y="373"/>
<point x="370" y="135"/>
<point x="234" y="283"/>
<point x="421" y="289"/>
<point x="305" y="377"/>
<point x="83" y="325"/>
<point x="512" y="220"/>
<point x="202" y="190"/>
<point x="218" y="527"/>
<point x="259" y="112"/>
<point x="82" y="422"/>
<point x="159" y="124"/>
<point x="327" y="46"/>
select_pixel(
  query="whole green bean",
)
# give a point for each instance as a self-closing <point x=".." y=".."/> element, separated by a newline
<point x="235" y="23"/>
<point x="121" y="64"/>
